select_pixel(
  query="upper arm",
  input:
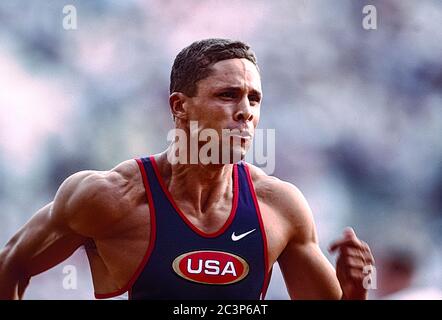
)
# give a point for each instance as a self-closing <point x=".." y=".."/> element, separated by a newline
<point x="54" y="232"/>
<point x="306" y="271"/>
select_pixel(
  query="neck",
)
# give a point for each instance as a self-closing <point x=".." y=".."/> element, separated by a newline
<point x="197" y="186"/>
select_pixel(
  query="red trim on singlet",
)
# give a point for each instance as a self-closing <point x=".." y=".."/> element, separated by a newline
<point x="266" y="285"/>
<point x="128" y="286"/>
<point x="263" y="232"/>
<point x="190" y="224"/>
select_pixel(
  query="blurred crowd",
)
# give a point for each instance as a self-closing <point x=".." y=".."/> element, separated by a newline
<point x="357" y="113"/>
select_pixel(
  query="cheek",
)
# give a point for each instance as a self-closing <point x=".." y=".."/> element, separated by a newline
<point x="219" y="113"/>
<point x="214" y="118"/>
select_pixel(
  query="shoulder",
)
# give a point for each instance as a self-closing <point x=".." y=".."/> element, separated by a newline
<point x="90" y="200"/>
<point x="92" y="185"/>
<point x="285" y="199"/>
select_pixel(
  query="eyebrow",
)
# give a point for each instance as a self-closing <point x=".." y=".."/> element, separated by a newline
<point x="233" y="88"/>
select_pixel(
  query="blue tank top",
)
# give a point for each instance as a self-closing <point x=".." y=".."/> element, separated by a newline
<point x="182" y="262"/>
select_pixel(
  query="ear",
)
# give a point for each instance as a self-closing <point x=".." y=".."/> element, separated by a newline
<point x="178" y="106"/>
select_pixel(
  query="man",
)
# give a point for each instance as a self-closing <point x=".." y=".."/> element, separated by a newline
<point x="163" y="229"/>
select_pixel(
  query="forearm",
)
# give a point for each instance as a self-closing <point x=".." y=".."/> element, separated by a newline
<point x="360" y="296"/>
<point x="8" y="287"/>
<point x="13" y="282"/>
<point x="312" y="276"/>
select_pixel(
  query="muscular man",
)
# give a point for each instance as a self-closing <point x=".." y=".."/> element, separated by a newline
<point x="161" y="229"/>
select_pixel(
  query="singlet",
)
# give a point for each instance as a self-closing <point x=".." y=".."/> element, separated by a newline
<point x="183" y="262"/>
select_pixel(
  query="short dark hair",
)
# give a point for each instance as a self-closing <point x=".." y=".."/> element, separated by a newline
<point x="193" y="62"/>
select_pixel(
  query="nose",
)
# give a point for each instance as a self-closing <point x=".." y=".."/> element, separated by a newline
<point x="244" y="112"/>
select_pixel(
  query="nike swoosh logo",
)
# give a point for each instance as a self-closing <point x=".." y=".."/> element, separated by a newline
<point x="242" y="235"/>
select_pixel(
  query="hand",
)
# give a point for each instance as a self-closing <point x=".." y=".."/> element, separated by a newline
<point x="354" y="258"/>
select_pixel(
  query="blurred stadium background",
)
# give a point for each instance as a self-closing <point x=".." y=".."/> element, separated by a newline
<point x="357" y="113"/>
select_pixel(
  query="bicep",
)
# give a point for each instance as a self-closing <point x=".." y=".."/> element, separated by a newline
<point x="43" y="242"/>
<point x="307" y="272"/>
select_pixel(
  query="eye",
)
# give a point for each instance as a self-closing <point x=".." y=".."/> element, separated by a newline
<point x="228" y="94"/>
<point x="254" y="98"/>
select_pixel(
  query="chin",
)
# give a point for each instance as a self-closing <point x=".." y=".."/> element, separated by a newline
<point x="238" y="154"/>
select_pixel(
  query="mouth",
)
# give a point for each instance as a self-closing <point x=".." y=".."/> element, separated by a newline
<point x="241" y="135"/>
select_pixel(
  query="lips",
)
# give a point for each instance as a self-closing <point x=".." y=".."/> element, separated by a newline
<point x="244" y="137"/>
<point x="240" y="134"/>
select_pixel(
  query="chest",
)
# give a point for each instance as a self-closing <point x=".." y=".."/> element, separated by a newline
<point x="114" y="260"/>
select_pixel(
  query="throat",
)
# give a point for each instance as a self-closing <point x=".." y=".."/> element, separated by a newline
<point x="203" y="203"/>
<point x="202" y="192"/>
<point x="204" y="195"/>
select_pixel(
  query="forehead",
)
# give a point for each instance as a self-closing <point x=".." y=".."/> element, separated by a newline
<point x="233" y="73"/>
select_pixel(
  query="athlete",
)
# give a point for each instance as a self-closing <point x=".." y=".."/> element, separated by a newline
<point x="162" y="229"/>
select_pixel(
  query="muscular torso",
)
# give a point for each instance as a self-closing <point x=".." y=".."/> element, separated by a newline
<point x="115" y="256"/>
